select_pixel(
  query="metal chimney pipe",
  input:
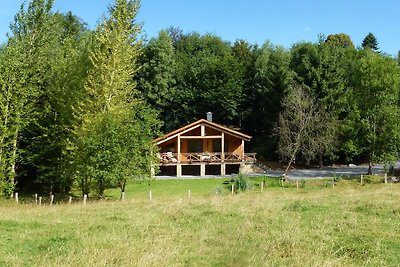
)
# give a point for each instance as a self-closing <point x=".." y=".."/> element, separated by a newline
<point x="209" y="116"/>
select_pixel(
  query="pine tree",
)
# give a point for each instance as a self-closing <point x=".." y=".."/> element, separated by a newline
<point x="398" y="57"/>
<point x="370" y="42"/>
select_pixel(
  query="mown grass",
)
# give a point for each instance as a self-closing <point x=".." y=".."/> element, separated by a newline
<point x="163" y="189"/>
<point x="350" y="225"/>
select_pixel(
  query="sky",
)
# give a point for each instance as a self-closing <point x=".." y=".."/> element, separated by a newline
<point x="282" y="22"/>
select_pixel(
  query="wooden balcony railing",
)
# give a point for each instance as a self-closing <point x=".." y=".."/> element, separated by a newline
<point x="172" y="158"/>
<point x="250" y="157"/>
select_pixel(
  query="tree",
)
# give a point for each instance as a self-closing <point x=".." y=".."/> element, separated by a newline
<point x="302" y="127"/>
<point x="58" y="62"/>
<point x="14" y="102"/>
<point x="175" y="34"/>
<point x="398" y="57"/>
<point x="374" y="121"/>
<point x="326" y="70"/>
<point x="370" y="42"/>
<point x="116" y="147"/>
<point x="114" y="139"/>
<point x="208" y="78"/>
<point x="156" y="77"/>
<point x="245" y="55"/>
<point x="340" y="39"/>
<point x="24" y="76"/>
<point x="272" y="79"/>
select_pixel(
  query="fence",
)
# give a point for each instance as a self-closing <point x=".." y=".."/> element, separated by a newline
<point x="258" y="184"/>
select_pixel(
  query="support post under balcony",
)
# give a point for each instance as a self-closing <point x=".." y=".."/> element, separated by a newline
<point x="223" y="169"/>
<point x="242" y="156"/>
<point x="222" y="147"/>
<point x="202" y="169"/>
<point x="179" y="148"/>
<point x="178" y="170"/>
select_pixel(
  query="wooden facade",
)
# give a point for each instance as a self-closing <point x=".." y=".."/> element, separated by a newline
<point x="203" y="143"/>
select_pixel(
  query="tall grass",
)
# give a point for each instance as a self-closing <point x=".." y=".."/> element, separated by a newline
<point x="346" y="226"/>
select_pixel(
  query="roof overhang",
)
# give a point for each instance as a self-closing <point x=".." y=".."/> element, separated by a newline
<point x="197" y="124"/>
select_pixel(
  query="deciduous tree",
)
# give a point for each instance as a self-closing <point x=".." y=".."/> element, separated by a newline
<point x="114" y="140"/>
<point x="376" y="114"/>
<point x="25" y="66"/>
<point x="156" y="76"/>
<point x="302" y="127"/>
<point x="340" y="39"/>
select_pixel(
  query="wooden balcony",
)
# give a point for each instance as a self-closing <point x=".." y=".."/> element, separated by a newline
<point x="169" y="158"/>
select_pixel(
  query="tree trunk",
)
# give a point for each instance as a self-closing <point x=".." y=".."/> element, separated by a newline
<point x="51" y="190"/>
<point x="14" y="157"/>
<point x="320" y="160"/>
<point x="289" y="164"/>
<point x="3" y="135"/>
<point x="370" y="167"/>
<point x="122" y="185"/>
<point x="101" y="188"/>
<point x="85" y="186"/>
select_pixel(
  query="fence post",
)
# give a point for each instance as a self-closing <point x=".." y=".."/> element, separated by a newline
<point x="297" y="184"/>
<point x="262" y="186"/>
<point x="385" y="178"/>
<point x="40" y="201"/>
<point x="233" y="189"/>
<point x="69" y="200"/>
<point x="51" y="200"/>
<point x="84" y="199"/>
<point x="189" y="193"/>
<point x="16" y="197"/>
<point x="150" y="196"/>
<point x="361" y="178"/>
<point x="36" y="199"/>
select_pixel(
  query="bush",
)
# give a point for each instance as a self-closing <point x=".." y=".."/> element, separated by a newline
<point x="242" y="183"/>
<point x="6" y="189"/>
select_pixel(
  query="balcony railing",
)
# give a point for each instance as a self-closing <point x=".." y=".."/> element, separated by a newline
<point x="172" y="158"/>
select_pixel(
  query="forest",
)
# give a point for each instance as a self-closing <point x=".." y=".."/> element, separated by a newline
<point x="79" y="107"/>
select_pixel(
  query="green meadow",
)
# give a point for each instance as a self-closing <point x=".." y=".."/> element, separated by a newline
<point x="315" y="225"/>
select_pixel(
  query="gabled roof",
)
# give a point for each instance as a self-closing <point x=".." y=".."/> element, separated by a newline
<point x="195" y="124"/>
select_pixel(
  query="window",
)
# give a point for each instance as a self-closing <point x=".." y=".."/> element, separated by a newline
<point x="195" y="146"/>
<point x="217" y="145"/>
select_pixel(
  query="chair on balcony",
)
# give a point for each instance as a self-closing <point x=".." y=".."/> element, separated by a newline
<point x="205" y="157"/>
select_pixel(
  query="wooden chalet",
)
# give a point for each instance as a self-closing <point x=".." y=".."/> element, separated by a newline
<point x="202" y="148"/>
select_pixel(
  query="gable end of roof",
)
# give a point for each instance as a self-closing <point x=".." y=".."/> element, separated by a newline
<point x="204" y="122"/>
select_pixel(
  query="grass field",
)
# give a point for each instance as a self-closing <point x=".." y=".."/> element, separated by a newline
<point x="350" y="225"/>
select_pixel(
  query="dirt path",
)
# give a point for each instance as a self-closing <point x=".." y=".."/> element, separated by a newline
<point x="330" y="171"/>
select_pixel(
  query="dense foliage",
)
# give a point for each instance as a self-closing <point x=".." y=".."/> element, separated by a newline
<point x="71" y="116"/>
<point x="79" y="107"/>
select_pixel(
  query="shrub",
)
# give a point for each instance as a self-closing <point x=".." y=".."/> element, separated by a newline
<point x="242" y="183"/>
<point x="6" y="189"/>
